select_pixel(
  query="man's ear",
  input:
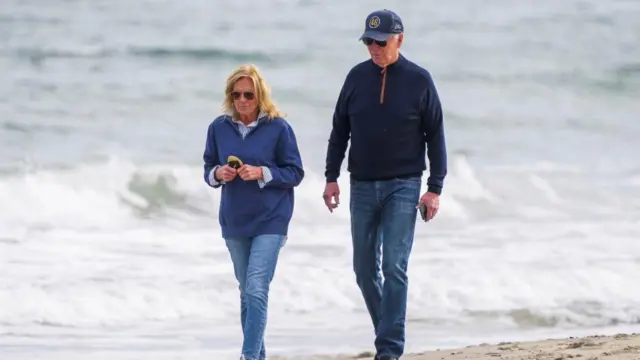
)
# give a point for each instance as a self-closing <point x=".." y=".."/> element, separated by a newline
<point x="400" y="39"/>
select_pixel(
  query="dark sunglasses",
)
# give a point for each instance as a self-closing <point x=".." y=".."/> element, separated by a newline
<point x="369" y="41"/>
<point x="247" y="95"/>
<point x="234" y="162"/>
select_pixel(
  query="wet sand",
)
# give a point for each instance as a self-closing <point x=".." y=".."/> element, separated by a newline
<point x="617" y="347"/>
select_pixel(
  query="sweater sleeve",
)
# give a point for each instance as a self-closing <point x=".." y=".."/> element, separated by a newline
<point x="433" y="127"/>
<point x="210" y="157"/>
<point x="288" y="171"/>
<point x="339" y="137"/>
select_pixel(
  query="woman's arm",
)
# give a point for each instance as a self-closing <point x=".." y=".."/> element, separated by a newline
<point x="211" y="159"/>
<point x="288" y="171"/>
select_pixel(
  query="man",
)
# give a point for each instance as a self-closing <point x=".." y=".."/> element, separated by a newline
<point x="389" y="107"/>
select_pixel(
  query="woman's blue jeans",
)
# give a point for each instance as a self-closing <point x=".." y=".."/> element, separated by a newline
<point x="254" y="264"/>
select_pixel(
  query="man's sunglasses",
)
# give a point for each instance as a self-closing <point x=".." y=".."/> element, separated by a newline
<point x="369" y="41"/>
<point x="247" y="95"/>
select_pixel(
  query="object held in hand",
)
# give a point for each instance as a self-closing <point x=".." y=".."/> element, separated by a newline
<point x="423" y="211"/>
<point x="234" y="162"/>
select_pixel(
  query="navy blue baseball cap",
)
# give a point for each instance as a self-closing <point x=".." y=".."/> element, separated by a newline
<point x="381" y="24"/>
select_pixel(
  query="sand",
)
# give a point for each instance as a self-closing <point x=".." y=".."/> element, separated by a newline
<point x="621" y="346"/>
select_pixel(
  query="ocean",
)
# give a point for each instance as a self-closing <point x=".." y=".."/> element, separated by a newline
<point x="109" y="239"/>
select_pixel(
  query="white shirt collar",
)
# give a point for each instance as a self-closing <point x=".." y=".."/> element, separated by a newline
<point x="260" y="115"/>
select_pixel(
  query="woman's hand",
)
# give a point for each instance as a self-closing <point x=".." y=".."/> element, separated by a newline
<point x="226" y="173"/>
<point x="249" y="172"/>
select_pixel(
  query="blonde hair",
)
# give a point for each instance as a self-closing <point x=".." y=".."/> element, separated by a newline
<point x="262" y="90"/>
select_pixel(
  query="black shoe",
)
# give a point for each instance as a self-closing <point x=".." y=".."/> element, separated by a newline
<point x="385" y="357"/>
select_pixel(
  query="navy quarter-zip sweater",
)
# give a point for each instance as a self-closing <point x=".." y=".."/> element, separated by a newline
<point x="392" y="116"/>
<point x="246" y="209"/>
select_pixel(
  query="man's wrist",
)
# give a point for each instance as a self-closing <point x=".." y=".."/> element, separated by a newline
<point x="434" y="189"/>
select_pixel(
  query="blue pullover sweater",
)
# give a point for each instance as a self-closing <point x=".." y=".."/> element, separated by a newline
<point x="392" y="117"/>
<point x="248" y="209"/>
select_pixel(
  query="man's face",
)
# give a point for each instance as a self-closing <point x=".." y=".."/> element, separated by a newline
<point x="385" y="52"/>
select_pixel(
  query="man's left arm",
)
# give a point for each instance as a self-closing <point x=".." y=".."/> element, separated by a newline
<point x="433" y="128"/>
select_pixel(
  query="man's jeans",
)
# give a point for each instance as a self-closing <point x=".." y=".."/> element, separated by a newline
<point x="383" y="214"/>
<point x="254" y="264"/>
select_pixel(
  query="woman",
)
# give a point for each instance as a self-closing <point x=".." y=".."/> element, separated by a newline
<point x="252" y="154"/>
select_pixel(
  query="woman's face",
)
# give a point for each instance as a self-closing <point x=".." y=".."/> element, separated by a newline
<point x="244" y="97"/>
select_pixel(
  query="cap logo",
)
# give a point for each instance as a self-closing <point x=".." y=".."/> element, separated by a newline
<point x="374" y="22"/>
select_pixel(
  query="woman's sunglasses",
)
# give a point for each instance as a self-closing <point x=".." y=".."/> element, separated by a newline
<point x="247" y="95"/>
<point x="369" y="41"/>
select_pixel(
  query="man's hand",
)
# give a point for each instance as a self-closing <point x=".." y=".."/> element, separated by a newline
<point x="432" y="201"/>
<point x="249" y="172"/>
<point x="331" y="192"/>
<point x="225" y="173"/>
